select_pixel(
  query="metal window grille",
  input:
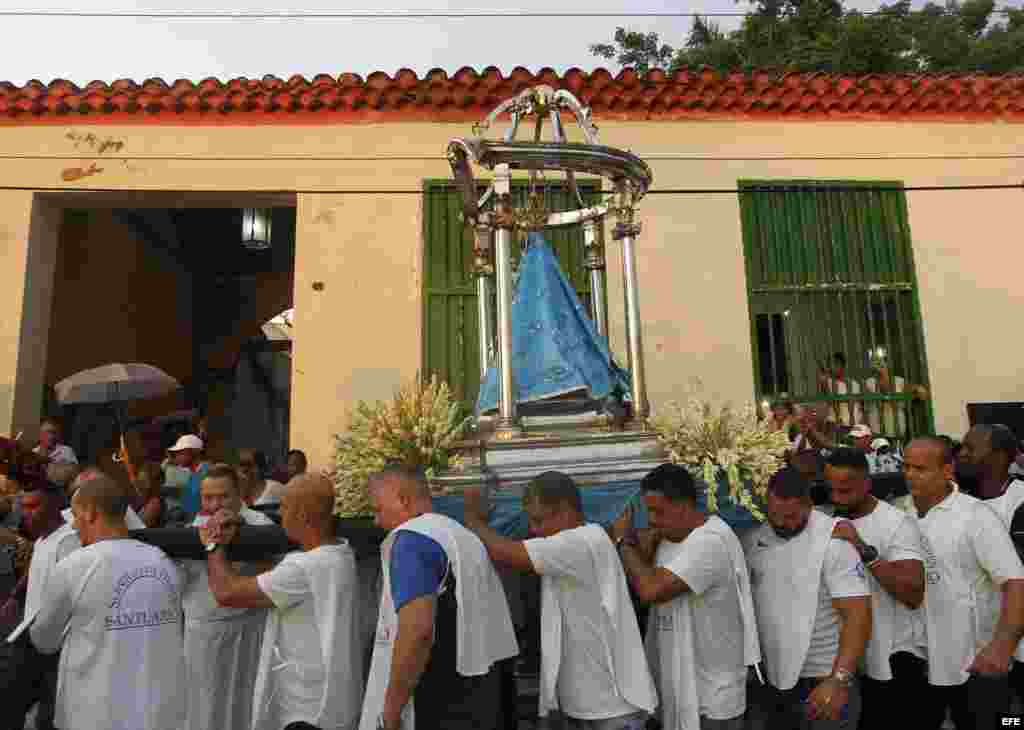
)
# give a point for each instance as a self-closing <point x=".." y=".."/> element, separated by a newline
<point x="830" y="273"/>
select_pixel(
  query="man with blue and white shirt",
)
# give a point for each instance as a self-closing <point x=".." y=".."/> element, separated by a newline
<point x="444" y="627"/>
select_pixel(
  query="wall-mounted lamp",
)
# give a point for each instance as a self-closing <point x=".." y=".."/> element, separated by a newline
<point x="256" y="228"/>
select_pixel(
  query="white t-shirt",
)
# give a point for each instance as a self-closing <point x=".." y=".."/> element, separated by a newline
<point x="703" y="562"/>
<point x="48" y="551"/>
<point x="272" y="493"/>
<point x="842" y="576"/>
<point x="114" y="610"/>
<point x="586" y="687"/>
<point x="847" y="412"/>
<point x="198" y="600"/>
<point x="299" y="684"/>
<point x="886" y="417"/>
<point x="968" y="553"/>
<point x="904" y="544"/>
<point x="1006" y="504"/>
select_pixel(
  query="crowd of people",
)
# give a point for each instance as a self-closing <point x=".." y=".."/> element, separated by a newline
<point x="848" y="611"/>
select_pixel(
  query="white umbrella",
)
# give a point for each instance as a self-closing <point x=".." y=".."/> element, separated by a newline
<point x="115" y="383"/>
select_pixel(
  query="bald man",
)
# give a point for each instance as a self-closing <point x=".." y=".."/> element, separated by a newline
<point x="113" y="608"/>
<point x="307" y="677"/>
<point x="444" y="621"/>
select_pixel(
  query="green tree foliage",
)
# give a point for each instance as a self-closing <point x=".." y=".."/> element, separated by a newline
<point x="971" y="36"/>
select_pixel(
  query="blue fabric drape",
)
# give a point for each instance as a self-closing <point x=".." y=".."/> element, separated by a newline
<point x="601" y="504"/>
<point x="555" y="347"/>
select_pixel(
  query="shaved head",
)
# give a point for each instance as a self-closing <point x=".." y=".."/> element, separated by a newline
<point x="312" y="495"/>
<point x="399" y="493"/>
<point x="937" y="447"/>
<point x="410" y="482"/>
<point x="85" y="475"/>
<point x="104" y="495"/>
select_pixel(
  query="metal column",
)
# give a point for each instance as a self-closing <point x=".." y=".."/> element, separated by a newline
<point x="484" y="266"/>
<point x="593" y="241"/>
<point x="627" y="231"/>
<point x="508" y="421"/>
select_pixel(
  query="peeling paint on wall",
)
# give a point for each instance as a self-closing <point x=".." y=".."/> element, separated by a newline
<point x="93" y="142"/>
<point x="70" y="174"/>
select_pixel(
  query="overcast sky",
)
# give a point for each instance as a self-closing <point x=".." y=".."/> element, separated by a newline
<point x="84" y="49"/>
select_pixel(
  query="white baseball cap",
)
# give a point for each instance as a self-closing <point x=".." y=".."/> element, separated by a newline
<point x="880" y="444"/>
<point x="188" y="441"/>
<point x="860" y="431"/>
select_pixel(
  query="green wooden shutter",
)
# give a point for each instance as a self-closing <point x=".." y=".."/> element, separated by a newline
<point x="831" y="270"/>
<point x="451" y="343"/>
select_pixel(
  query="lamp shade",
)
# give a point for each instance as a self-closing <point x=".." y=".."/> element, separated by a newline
<point x="256" y="228"/>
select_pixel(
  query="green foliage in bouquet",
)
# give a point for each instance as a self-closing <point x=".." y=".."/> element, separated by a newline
<point x="417" y="427"/>
<point x="715" y="441"/>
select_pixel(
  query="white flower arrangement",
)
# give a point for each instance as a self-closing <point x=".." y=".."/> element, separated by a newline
<point x="417" y="427"/>
<point x="712" y="440"/>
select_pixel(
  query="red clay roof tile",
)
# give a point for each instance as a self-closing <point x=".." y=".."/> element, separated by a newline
<point x="468" y="95"/>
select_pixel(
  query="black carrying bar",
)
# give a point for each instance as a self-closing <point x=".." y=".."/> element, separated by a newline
<point x="253" y="543"/>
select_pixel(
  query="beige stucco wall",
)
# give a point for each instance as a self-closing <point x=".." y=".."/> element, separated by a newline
<point x="359" y="336"/>
<point x="28" y="258"/>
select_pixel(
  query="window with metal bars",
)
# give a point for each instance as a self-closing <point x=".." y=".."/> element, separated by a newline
<point x="451" y="338"/>
<point x="833" y="301"/>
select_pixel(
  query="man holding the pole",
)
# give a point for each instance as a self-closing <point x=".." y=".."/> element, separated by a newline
<point x="444" y="625"/>
<point x="309" y="674"/>
<point x="593" y="666"/>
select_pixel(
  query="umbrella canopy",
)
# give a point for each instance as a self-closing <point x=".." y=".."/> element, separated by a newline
<point x="115" y="383"/>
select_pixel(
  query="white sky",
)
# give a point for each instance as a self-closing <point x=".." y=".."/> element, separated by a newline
<point x="84" y="49"/>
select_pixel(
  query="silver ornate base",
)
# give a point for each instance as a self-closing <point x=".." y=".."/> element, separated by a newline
<point x="591" y="459"/>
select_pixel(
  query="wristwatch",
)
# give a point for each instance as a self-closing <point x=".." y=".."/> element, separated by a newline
<point x="868" y="554"/>
<point x="842" y="676"/>
<point x="628" y="539"/>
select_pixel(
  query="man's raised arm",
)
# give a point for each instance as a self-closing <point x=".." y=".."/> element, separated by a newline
<point x="503" y="551"/>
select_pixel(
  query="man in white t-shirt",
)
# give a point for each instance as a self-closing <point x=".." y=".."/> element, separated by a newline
<point x="593" y="666"/>
<point x="222" y="645"/>
<point x="895" y="672"/>
<point x="51" y="447"/>
<point x="113" y="608"/>
<point x="986" y="454"/>
<point x="309" y="668"/>
<point x="837" y="382"/>
<point x="702" y="631"/>
<point x="987" y="457"/>
<point x="974" y="594"/>
<point x="813" y="608"/>
<point x="886" y="416"/>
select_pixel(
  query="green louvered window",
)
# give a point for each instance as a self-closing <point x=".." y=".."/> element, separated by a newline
<point x="451" y="340"/>
<point x="830" y="270"/>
